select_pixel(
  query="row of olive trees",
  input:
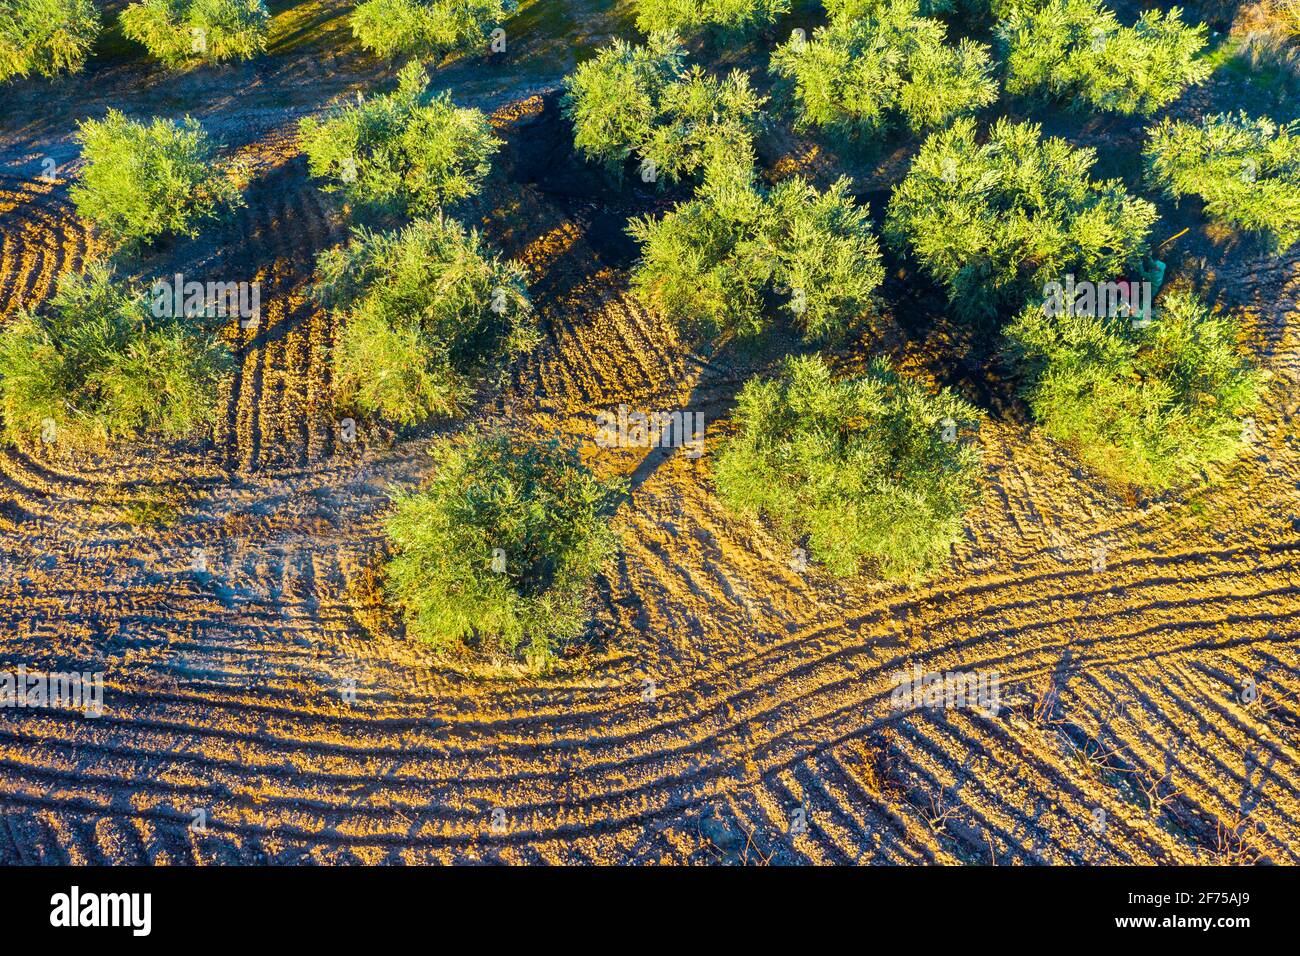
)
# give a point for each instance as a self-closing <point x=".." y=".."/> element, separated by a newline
<point x="407" y="151"/>
<point x="997" y="220"/>
<point x="872" y="472"/>
<point x="99" y="363"/>
<point x="1147" y="396"/>
<point x="882" y="62"/>
<point x="875" y="65"/>
<point x="423" y="309"/>
<point x="48" y="37"/>
<point x="878" y="61"/>
<point x="875" y="60"/>
<point x="497" y="552"/>
<point x="496" y="555"/>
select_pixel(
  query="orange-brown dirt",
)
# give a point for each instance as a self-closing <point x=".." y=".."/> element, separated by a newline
<point x="721" y="690"/>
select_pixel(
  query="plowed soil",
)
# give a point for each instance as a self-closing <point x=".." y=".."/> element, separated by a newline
<point x="727" y="706"/>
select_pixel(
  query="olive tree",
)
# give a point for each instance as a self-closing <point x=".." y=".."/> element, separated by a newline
<point x="496" y="555"/>
<point x="427" y="28"/>
<point x="46" y="37"/>
<point x="720" y="260"/>
<point x="423" y="311"/>
<point x="995" y="221"/>
<point x="642" y="101"/>
<point x="1149" y="402"/>
<point x="143" y="181"/>
<point x="189" y="31"/>
<point x="408" y="151"/>
<point x="726" y="17"/>
<point x="1076" y="50"/>
<point x="95" y="365"/>
<point x="873" y="472"/>
<point x="1246" y="170"/>
<point x="866" y="72"/>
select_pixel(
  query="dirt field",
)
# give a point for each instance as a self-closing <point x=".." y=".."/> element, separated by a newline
<point x="727" y="706"/>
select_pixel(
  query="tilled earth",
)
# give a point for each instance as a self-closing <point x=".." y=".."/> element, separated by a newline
<point x="729" y="705"/>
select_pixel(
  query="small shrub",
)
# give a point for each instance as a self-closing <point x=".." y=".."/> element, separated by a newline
<point x="872" y="471"/>
<point x="861" y="73"/>
<point x="141" y="506"/>
<point x="1268" y="32"/>
<point x="46" y="37"/>
<point x="143" y="181"/>
<point x="717" y="260"/>
<point x="423" y="310"/>
<point x="497" y="553"/>
<point x="726" y="17"/>
<point x="150" y="512"/>
<point x="995" y="221"/>
<point x="1150" y="405"/>
<point x="1246" y="170"/>
<point x="1273" y="21"/>
<point x="427" y="28"/>
<point x="1076" y="49"/>
<point x="407" y="151"/>
<point x="95" y="365"/>
<point x="642" y="100"/>
<point x="176" y="32"/>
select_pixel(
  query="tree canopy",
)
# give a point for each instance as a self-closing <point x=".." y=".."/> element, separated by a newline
<point x="142" y="181"/>
<point x="95" y="365"/>
<point x="1150" y="403"/>
<point x="689" y="17"/>
<point x="1246" y="170"/>
<point x="643" y="101"/>
<point x="496" y="555"/>
<point x="721" y="261"/>
<point x="427" y="28"/>
<point x="885" y="64"/>
<point x="423" y="310"/>
<point x="187" y="31"/>
<point x="1076" y="50"/>
<point x="995" y="221"/>
<point x="46" y="37"/>
<point x="873" y="472"/>
<point x="408" y="151"/>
